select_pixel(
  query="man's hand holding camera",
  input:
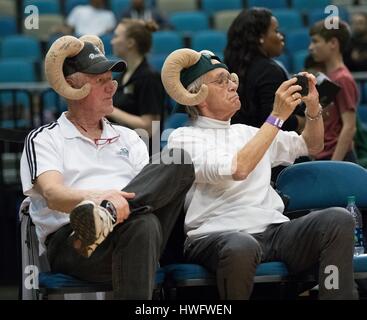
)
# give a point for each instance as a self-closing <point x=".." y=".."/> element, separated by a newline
<point x="312" y="98"/>
<point x="292" y="92"/>
<point x="287" y="98"/>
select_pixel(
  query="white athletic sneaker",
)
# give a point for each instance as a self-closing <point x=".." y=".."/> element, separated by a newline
<point x="91" y="224"/>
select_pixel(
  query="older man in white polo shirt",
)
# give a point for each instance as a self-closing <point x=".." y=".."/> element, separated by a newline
<point x="73" y="170"/>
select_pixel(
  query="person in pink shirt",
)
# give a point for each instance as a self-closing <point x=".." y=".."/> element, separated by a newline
<point x="327" y="46"/>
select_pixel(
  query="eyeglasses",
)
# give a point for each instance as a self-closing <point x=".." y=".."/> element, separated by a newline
<point x="222" y="80"/>
<point x="103" y="141"/>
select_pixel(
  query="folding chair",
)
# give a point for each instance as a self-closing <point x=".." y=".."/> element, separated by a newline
<point x="38" y="282"/>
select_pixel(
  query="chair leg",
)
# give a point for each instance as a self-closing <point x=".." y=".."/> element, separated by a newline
<point x="158" y="293"/>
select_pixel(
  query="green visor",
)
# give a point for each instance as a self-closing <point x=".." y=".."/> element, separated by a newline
<point x="189" y="75"/>
<point x="203" y="66"/>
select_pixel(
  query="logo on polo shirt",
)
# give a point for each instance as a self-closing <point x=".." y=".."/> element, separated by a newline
<point x="123" y="152"/>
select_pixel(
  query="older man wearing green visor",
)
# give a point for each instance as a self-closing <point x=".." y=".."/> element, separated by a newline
<point x="234" y="218"/>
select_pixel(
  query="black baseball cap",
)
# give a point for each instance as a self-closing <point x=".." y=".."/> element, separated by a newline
<point x="92" y="61"/>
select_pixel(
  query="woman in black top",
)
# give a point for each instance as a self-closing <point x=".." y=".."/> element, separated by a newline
<point x="139" y="98"/>
<point x="253" y="40"/>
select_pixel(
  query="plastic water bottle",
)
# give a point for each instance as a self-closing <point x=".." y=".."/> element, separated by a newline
<point x="358" y="234"/>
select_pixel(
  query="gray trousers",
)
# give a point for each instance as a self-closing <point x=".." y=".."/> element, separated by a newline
<point x="130" y="254"/>
<point x="320" y="239"/>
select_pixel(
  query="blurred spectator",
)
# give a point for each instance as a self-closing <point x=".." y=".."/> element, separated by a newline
<point x="138" y="10"/>
<point x="253" y="40"/>
<point x="139" y="98"/>
<point x="313" y="66"/>
<point x="327" y="46"/>
<point x="356" y="57"/>
<point x="93" y="18"/>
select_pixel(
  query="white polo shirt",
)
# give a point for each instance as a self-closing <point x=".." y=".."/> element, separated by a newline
<point x="86" y="19"/>
<point x="217" y="203"/>
<point x="61" y="147"/>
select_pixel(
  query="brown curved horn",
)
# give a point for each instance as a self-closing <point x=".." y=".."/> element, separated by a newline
<point x="234" y="78"/>
<point x="62" y="48"/>
<point x="175" y="62"/>
<point x="95" y="40"/>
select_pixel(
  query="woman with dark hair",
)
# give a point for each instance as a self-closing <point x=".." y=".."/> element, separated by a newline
<point x="253" y="40"/>
<point x="140" y="95"/>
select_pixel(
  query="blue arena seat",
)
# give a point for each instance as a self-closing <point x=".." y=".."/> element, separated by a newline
<point x="273" y="4"/>
<point x="304" y="5"/>
<point x="173" y="121"/>
<point x="44" y="6"/>
<point x="157" y="60"/>
<point x="20" y="46"/>
<point x="296" y="40"/>
<point x="179" y="275"/>
<point x="212" y="6"/>
<point x="362" y="114"/>
<point x="324" y="184"/>
<point x="211" y="40"/>
<point x="188" y="272"/>
<point x="298" y="60"/>
<point x="16" y="70"/>
<point x="164" y="42"/>
<point x="316" y="15"/>
<point x="189" y="22"/>
<point x="15" y="104"/>
<point x="288" y="19"/>
<point x="119" y="6"/>
<point x="53" y="104"/>
<point x="360" y="87"/>
<point x="360" y="266"/>
<point x="8" y="26"/>
<point x="106" y="39"/>
<point x="51" y="283"/>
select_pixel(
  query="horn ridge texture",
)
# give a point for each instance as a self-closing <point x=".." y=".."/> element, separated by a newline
<point x="62" y="48"/>
<point x="174" y="63"/>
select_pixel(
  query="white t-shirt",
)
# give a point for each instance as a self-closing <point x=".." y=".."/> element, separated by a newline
<point x="86" y="19"/>
<point x="61" y="147"/>
<point x="216" y="202"/>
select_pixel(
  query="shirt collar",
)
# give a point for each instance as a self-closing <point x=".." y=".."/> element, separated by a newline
<point x="69" y="131"/>
<point x="209" y="123"/>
